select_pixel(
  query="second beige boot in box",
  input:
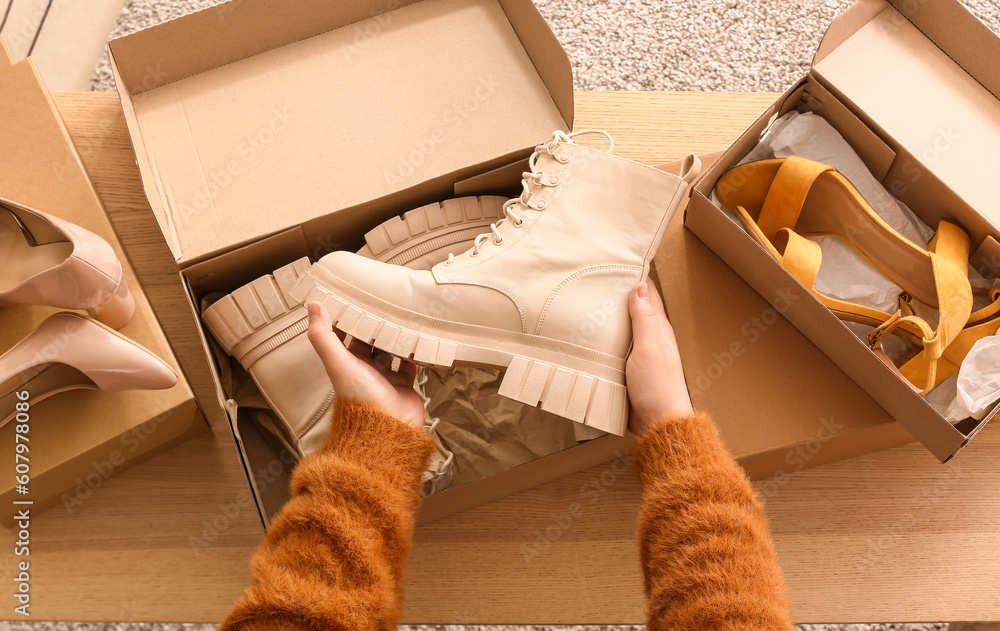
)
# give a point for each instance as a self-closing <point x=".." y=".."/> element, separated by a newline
<point x="264" y="328"/>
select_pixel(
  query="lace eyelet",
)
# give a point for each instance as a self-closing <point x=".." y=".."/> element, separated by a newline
<point x="473" y="255"/>
<point x="498" y="241"/>
<point x="519" y="223"/>
<point x="449" y="262"/>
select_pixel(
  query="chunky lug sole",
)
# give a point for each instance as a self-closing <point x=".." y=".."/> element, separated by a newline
<point x="424" y="230"/>
<point x="571" y="381"/>
<point x="259" y="316"/>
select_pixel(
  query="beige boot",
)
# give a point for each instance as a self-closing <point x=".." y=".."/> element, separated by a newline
<point x="264" y="328"/>
<point x="544" y="294"/>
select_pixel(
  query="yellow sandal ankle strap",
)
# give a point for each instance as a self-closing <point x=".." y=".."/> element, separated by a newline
<point x="982" y="323"/>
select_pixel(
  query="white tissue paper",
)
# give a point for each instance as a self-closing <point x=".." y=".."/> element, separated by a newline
<point x="976" y="387"/>
<point x="846" y="275"/>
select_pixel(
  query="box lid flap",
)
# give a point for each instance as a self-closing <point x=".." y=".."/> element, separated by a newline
<point x="925" y="72"/>
<point x="241" y="134"/>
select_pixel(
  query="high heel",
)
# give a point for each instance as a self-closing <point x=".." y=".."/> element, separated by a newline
<point x="67" y="352"/>
<point x="47" y="261"/>
<point x="781" y="201"/>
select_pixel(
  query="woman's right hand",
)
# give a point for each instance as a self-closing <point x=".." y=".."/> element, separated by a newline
<point x="364" y="374"/>
<point x="653" y="372"/>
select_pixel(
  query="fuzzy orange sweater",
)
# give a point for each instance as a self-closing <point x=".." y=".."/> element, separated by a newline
<point x="334" y="558"/>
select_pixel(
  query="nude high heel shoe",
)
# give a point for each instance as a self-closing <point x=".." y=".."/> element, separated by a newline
<point x="47" y="261"/>
<point x="69" y="352"/>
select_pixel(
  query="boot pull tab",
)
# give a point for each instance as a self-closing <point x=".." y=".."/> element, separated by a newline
<point x="690" y="168"/>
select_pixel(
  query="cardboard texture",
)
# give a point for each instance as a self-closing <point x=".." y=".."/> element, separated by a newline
<point x="909" y="86"/>
<point x="79" y="438"/>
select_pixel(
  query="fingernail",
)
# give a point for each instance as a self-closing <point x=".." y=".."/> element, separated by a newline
<point x="643" y="291"/>
<point x="313" y="310"/>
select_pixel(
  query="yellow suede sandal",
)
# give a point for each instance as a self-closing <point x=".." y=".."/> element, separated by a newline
<point x="782" y="201"/>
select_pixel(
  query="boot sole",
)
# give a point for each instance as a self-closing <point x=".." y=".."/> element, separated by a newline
<point x="248" y="318"/>
<point x="257" y="318"/>
<point x="417" y="232"/>
<point x="577" y="383"/>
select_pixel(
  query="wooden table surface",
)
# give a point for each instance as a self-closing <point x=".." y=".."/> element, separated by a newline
<point x="893" y="536"/>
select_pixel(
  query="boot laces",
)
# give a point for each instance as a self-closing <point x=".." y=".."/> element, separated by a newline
<point x="528" y="198"/>
<point x="439" y="466"/>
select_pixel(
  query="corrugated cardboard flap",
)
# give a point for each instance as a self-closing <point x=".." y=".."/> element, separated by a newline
<point x="925" y="72"/>
<point x="252" y="116"/>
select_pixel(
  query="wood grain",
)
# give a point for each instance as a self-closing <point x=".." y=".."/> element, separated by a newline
<point x="889" y="537"/>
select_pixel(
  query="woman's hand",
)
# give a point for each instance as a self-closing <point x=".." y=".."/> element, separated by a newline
<point x="653" y="373"/>
<point x="363" y="373"/>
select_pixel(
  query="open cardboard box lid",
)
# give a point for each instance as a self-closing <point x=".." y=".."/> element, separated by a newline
<point x="253" y="116"/>
<point x="925" y="73"/>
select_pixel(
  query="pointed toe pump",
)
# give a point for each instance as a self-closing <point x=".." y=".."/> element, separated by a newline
<point x="47" y="261"/>
<point x="69" y="352"/>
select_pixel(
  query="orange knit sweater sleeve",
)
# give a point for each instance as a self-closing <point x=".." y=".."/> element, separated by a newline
<point x="706" y="550"/>
<point x="334" y="556"/>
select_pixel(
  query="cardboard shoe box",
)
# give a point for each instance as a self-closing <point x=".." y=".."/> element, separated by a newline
<point x="78" y="439"/>
<point x="292" y="129"/>
<point x="780" y="405"/>
<point x="913" y="86"/>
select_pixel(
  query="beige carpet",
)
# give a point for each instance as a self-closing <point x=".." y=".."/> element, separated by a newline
<point x="64" y="38"/>
<point x="702" y="45"/>
<point x="706" y="45"/>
